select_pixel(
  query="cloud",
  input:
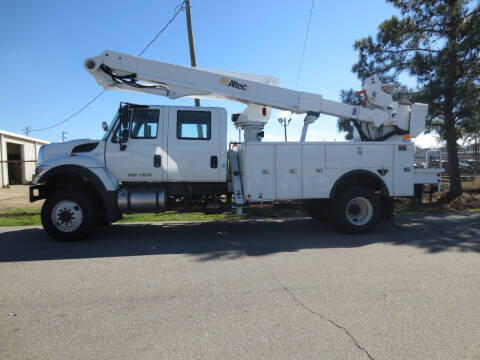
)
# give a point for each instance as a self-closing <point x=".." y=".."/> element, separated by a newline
<point x="312" y="135"/>
<point x="427" y="141"/>
<point x="273" y="137"/>
<point x="324" y="135"/>
<point x="274" y="132"/>
<point x="276" y="114"/>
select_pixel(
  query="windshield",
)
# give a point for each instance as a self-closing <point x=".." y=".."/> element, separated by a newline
<point x="111" y="126"/>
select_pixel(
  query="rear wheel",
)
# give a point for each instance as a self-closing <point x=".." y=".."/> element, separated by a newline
<point x="357" y="210"/>
<point x="68" y="215"/>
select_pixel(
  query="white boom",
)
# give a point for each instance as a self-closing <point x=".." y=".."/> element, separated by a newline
<point x="381" y="117"/>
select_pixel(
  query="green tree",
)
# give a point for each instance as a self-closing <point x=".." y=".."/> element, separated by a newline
<point x="437" y="42"/>
<point x="345" y="125"/>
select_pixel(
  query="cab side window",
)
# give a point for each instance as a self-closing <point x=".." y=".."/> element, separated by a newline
<point x="194" y="125"/>
<point x="144" y="124"/>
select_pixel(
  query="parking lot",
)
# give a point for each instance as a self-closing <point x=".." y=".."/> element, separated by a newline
<point x="270" y="288"/>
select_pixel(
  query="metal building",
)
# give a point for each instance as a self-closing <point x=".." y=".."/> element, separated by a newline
<point x="18" y="158"/>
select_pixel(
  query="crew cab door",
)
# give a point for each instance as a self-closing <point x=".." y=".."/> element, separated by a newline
<point x="134" y="150"/>
<point x="194" y="141"/>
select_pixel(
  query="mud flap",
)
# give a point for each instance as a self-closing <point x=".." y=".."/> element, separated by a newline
<point x="388" y="208"/>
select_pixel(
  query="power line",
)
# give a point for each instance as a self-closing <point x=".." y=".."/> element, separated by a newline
<point x="304" y="45"/>
<point x="178" y="9"/>
<point x="73" y="115"/>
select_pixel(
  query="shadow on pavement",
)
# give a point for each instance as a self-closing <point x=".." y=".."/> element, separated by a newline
<point x="233" y="239"/>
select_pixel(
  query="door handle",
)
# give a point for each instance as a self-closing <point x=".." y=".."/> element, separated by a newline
<point x="123" y="147"/>
<point x="157" y="161"/>
<point x="213" y="162"/>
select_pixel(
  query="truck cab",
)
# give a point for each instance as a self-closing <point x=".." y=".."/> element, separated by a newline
<point x="164" y="144"/>
<point x="151" y="158"/>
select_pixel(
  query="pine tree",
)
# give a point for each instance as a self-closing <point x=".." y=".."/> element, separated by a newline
<point x="437" y="42"/>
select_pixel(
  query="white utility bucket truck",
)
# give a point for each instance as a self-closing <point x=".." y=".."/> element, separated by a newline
<point x="155" y="157"/>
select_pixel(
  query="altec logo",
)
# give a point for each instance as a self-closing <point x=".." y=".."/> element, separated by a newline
<point x="233" y="83"/>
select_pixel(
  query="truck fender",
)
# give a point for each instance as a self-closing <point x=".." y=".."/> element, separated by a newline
<point x="99" y="178"/>
<point x="373" y="179"/>
<point x="351" y="174"/>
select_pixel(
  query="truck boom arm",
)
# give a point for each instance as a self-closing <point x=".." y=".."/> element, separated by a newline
<point x="113" y="70"/>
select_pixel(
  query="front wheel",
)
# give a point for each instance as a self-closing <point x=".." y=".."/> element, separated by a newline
<point x="68" y="215"/>
<point x="357" y="210"/>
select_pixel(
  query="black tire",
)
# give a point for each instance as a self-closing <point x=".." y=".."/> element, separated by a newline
<point x="84" y="215"/>
<point x="357" y="210"/>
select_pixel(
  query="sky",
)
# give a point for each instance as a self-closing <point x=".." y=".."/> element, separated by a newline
<point x="43" y="45"/>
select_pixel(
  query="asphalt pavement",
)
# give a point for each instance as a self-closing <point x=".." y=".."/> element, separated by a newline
<point x="252" y="289"/>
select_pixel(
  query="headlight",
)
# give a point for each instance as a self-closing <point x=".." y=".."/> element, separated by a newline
<point x="39" y="169"/>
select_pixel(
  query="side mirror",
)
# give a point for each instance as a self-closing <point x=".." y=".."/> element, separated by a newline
<point x="104" y="126"/>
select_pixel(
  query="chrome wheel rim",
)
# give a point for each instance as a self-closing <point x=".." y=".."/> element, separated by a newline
<point x="67" y="216"/>
<point x="359" y="211"/>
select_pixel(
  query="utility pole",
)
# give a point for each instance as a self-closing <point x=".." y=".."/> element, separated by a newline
<point x="64" y="136"/>
<point x="284" y="122"/>
<point x="191" y="44"/>
<point x="27" y="130"/>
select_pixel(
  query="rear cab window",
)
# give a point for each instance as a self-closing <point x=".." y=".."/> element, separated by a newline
<point x="194" y="125"/>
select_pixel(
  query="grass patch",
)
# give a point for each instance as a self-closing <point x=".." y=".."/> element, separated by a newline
<point x="472" y="185"/>
<point x="19" y="211"/>
<point x="175" y="216"/>
<point x="26" y="216"/>
<point x="469" y="201"/>
<point x="20" y="220"/>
